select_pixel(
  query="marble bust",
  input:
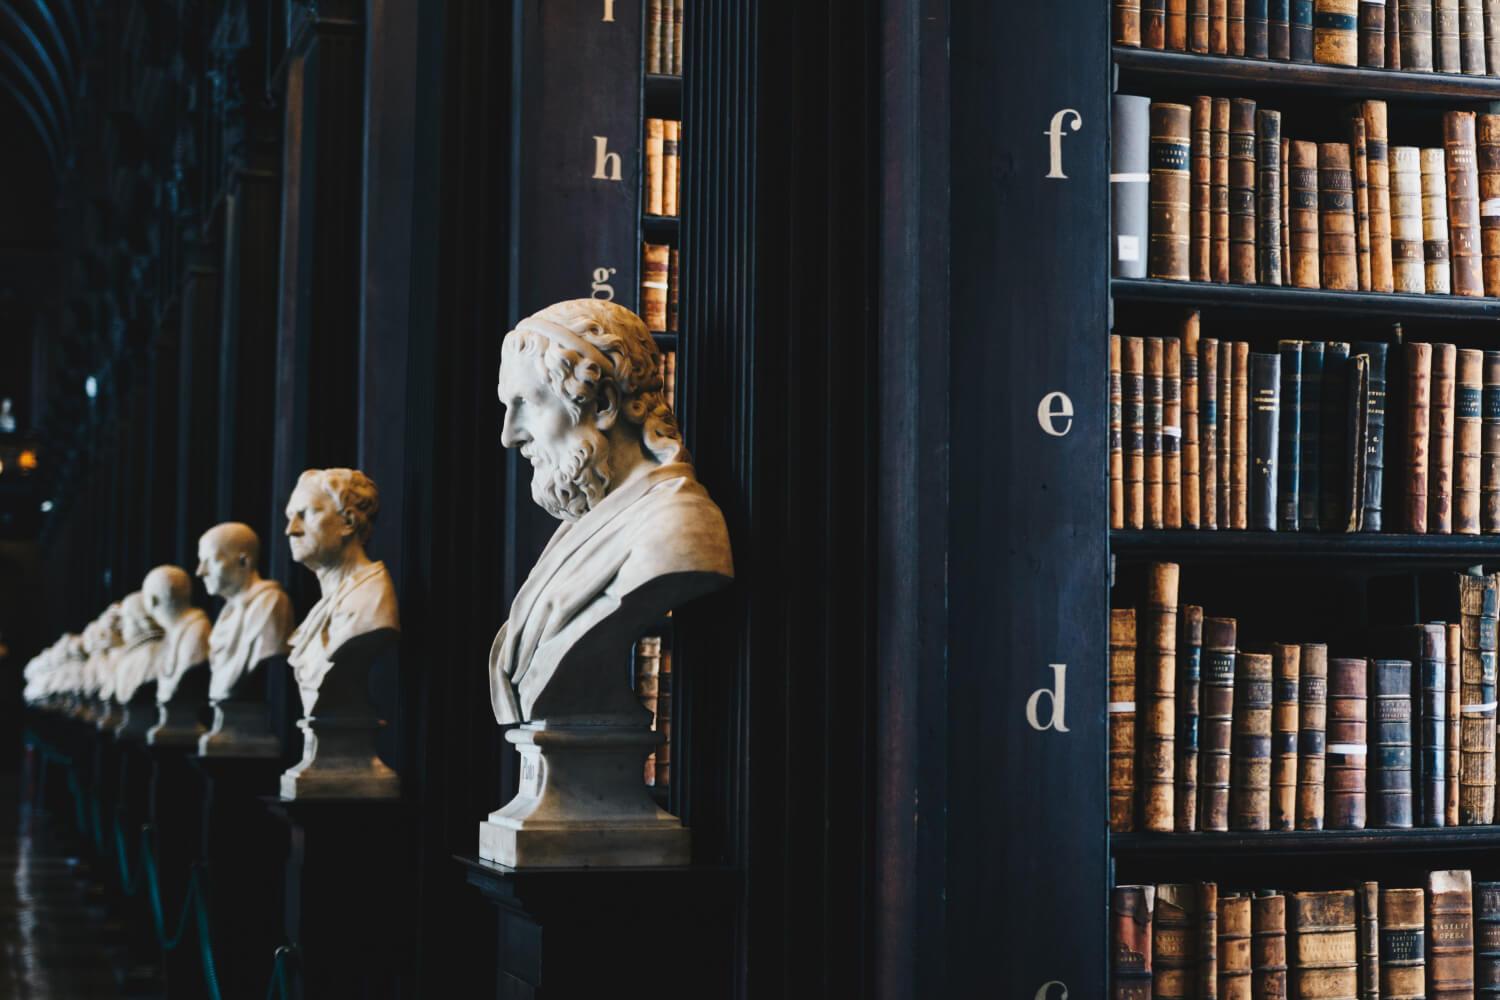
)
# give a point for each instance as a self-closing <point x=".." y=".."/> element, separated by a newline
<point x="181" y="681"/>
<point x="581" y="383"/>
<point x="138" y="664"/>
<point x="330" y="517"/>
<point x="251" y="631"/>
<point x="99" y="667"/>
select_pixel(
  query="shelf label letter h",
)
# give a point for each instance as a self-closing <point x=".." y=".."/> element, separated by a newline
<point x="1057" y="698"/>
<point x="606" y="164"/>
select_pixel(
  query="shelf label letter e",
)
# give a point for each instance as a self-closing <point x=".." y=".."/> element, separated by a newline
<point x="1055" y="406"/>
<point x="606" y="164"/>
<point x="1056" y="699"/>
<point x="1054" y="136"/>
<point x="1045" y="993"/>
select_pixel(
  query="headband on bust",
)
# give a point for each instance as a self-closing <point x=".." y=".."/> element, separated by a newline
<point x="560" y="334"/>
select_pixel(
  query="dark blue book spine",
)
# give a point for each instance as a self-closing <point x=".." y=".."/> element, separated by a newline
<point x="1432" y="737"/>
<point x="1257" y="29"/>
<point x="1390" y="742"/>
<point x="1335" y="439"/>
<point x="1265" y="406"/>
<point x="1311" y="444"/>
<point x="1302" y="31"/>
<point x="1375" y="445"/>
<point x="1289" y="478"/>
<point x="1279" y="14"/>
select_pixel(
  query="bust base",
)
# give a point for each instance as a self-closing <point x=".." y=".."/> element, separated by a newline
<point x="583" y="803"/>
<point x="339" y="762"/>
<point x="177" y="726"/>
<point x="240" y="729"/>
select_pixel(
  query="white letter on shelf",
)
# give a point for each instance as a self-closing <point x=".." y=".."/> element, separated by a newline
<point x="609" y="10"/>
<point x="1045" y="993"/>
<point x="606" y="164"/>
<point x="1057" y="699"/>
<point x="1053" y="406"/>
<point x="602" y="288"/>
<point x="1054" y="135"/>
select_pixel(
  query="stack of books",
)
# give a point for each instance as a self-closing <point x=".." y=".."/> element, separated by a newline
<point x="659" y="287"/>
<point x="664" y="36"/>
<point x="663" y="176"/>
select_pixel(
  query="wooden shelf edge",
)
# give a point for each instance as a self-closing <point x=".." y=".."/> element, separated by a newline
<point x="1162" y="845"/>
<point x="1389" y="305"/>
<point x="1339" y="81"/>
<point x="1457" y="550"/>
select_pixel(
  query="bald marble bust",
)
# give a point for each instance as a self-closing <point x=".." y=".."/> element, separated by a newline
<point x="168" y="591"/>
<point x="257" y="614"/>
<point x="140" y="658"/>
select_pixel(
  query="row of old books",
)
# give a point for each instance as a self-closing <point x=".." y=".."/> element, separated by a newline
<point x="664" y="36"/>
<point x="1327" y="436"/>
<point x="1204" y="735"/>
<point x="1212" y="192"/>
<point x="1445" y="36"/>
<point x="653" y="685"/>
<point x="663" y="163"/>
<point x="1189" y="941"/>
<point x="659" y="287"/>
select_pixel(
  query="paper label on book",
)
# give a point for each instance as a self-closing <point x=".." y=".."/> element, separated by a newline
<point x="1488" y="706"/>
<point x="1116" y="707"/>
<point x="1348" y="749"/>
<point x="1130" y="248"/>
<point x="1130" y="178"/>
<point x="1489" y="208"/>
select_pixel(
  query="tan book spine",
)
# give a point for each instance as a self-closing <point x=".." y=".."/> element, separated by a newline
<point x="1158" y="690"/>
<point x="1126" y="18"/>
<point x="1324" y="950"/>
<point x="1367" y="904"/>
<point x="1198" y="26"/>
<point x="1192" y="471"/>
<point x="1239" y="478"/>
<point x="1155" y="411"/>
<point x="1407" y="252"/>
<point x="656" y="259"/>
<point x="1177" y="25"/>
<point x="1468" y="409"/>
<point x="1451" y="815"/>
<point x="1418" y="454"/>
<point x="1450" y="936"/>
<point x="1403" y="948"/>
<point x="1170" y="217"/>
<point x="1171" y="432"/>
<point x="1226" y="431"/>
<point x="1287" y="659"/>
<point x="1393" y="34"/>
<point x="1286" y="212"/>
<point x="1488" y="152"/>
<point x="1348" y="744"/>
<point x="654" y="169"/>
<point x="1336" y="32"/>
<point x="1439" y="270"/>
<point x="1489" y="465"/>
<point x="1242" y="191"/>
<point x="1464" y="242"/>
<point x="1268" y="946"/>
<point x="1208" y="430"/>
<point x="1336" y="240"/>
<point x="1172" y="931"/>
<point x="1202" y="190"/>
<point x="1122" y="720"/>
<point x="676" y="37"/>
<point x="1476" y="793"/>
<point x="1219" y="203"/>
<point x="1236" y="27"/>
<point x="669" y="35"/>
<point x="1312" y="729"/>
<point x="1116" y="437"/>
<point x="1250" y="769"/>
<point x="1130" y="948"/>
<point x="1360" y="164"/>
<point x="671" y="161"/>
<point x="1303" y="214"/>
<point x="1440" y="440"/>
<point x="1235" y="965"/>
<point x="1377" y="152"/>
<point x="1218" y="27"/>
<point x="1207" y="953"/>
<point x="1217" y="721"/>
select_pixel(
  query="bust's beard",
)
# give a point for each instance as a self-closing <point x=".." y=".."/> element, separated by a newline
<point x="568" y="488"/>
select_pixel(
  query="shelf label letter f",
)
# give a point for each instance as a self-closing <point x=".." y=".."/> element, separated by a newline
<point x="1054" y="136"/>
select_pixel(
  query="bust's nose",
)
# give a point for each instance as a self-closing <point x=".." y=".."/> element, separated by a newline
<point x="511" y="433"/>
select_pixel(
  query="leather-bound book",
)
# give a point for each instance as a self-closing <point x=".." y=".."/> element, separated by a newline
<point x="1464" y="241"/>
<point x="1265" y="404"/>
<point x="1268" y="196"/>
<point x="1171" y="181"/>
<point x="1133" y="394"/>
<point x="1487" y="940"/>
<point x="1489" y="466"/>
<point x="1450" y="936"/>
<point x="1242" y="246"/>
<point x="1257" y="29"/>
<point x="1471" y="37"/>
<point x="1207" y="951"/>
<point x="655" y="263"/>
<point x="1192" y="465"/>
<point x="1219" y="193"/>
<point x="1476" y="774"/>
<point x="1237" y="27"/>
<point x="1347" y="744"/>
<point x="1173" y="969"/>
<point x="1226" y="430"/>
<point x="1122" y="720"/>
<point x="673" y="292"/>
<point x="1116" y="437"/>
<point x="1157" y="680"/>
<point x="1218" y="27"/>
<point x="1126" y="17"/>
<point x="1177" y="25"/>
<point x="1446" y="57"/>
<point x="1289" y="450"/>
<point x="1437" y="254"/>
<point x="1218" y="720"/>
<point x="655" y="170"/>
<point x="1334" y="440"/>
<point x="1416" y="35"/>
<point x="1302" y="31"/>
<point x="1153" y="24"/>
<point x="1336" y="239"/>
<point x="1390" y="744"/>
<point x="1430" y="724"/>
<point x="1189" y="685"/>
<point x="1208" y="430"/>
<point x="1418" y="450"/>
<point x="1357" y="436"/>
<point x="1367" y="939"/>
<point x="1375" y="436"/>
<point x="1455" y="723"/>
<point x="1312" y="725"/>
<point x="1492" y="36"/>
<point x="1468" y="433"/>
<point x="1250" y="784"/>
<point x="667" y="58"/>
<point x="1393" y="34"/>
<point x="1202" y="235"/>
<point x="1403" y="949"/>
<point x="1372" y="34"/>
<point x="1336" y="32"/>
<point x="1279" y="13"/>
<point x="1155" y="407"/>
<point x="1302" y="214"/>
<point x="671" y="165"/>
<point x="1239" y="470"/>
<point x="1440" y="439"/>
<point x="1287" y="664"/>
<point x="1130" y="966"/>
<point x="1408" y="257"/>
<point x="1286" y="212"/>
<point x="1171" y="432"/>
<point x="1360" y="173"/>
<point x="1324" y="955"/>
<point x="1198" y="26"/>
<point x="1310" y="483"/>
<point x="1488" y="153"/>
<point x="1235" y="965"/>
<point x="1377" y="153"/>
<point x="676" y="37"/>
<point x="1268" y="946"/>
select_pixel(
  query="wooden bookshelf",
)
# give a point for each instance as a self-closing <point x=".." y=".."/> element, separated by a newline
<point x="1147" y="846"/>
<point x="1385" y="305"/>
<point x="1363" y="548"/>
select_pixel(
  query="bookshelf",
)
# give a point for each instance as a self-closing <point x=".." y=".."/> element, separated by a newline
<point x="1386" y="305"/>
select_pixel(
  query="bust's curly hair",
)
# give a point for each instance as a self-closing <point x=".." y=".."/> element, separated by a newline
<point x="633" y="367"/>
<point x="352" y="492"/>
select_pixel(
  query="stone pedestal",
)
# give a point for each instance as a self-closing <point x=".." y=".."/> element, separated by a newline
<point x="139" y="716"/>
<point x="107" y="716"/>
<point x="176" y="725"/>
<point x="240" y="729"/>
<point x="339" y="759"/>
<point x="582" y="803"/>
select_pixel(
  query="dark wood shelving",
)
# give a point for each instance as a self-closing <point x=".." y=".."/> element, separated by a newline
<point x="664" y="87"/>
<point x="666" y="341"/>
<point x="661" y="228"/>
<point x="1226" y="73"/>
<point x="1147" y="846"/>
<point x="1388" y="305"/>
<point x="1407" y="550"/>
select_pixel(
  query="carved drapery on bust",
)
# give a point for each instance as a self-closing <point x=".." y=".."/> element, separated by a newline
<point x="140" y="656"/>
<point x="168" y="591"/>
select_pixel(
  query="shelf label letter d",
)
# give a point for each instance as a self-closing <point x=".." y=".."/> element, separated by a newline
<point x="1054" y="136"/>
<point x="1057" y="703"/>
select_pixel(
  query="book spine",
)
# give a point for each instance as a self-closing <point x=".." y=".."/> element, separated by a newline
<point x="1375" y="439"/>
<point x="1218" y="27"/>
<point x="1250" y="784"/>
<point x="676" y="37"/>
<point x="1133" y="377"/>
<point x="1235" y="965"/>
<point x="1189" y="683"/>
<point x="1403" y="944"/>
<point x="1268" y="197"/>
<point x="1130" y="913"/>
<point x="1432" y="735"/>
<point x="1336" y="239"/>
<point x="1416" y="35"/>
<point x="667" y="57"/>
<point x="1198" y="26"/>
<point x="1393" y="34"/>
<point x="1310" y="443"/>
<point x="1153" y="24"/>
<point x="1219" y="203"/>
<point x="1468" y="411"/>
<point x="1489" y="467"/>
<point x="1312" y="724"/>
<point x="674" y="271"/>
<point x="1377" y="153"/>
<point x="1158" y="687"/>
<point x="1476" y="793"/>
<point x="1464" y="240"/>
<point x="1302" y="214"/>
<point x="1172" y="930"/>
<point x="1279" y="13"/>
<point x="655" y="171"/>
<point x="655" y="264"/>
<point x="1155" y="409"/>
<point x="1126" y="16"/>
<point x="1257" y="29"/>
<point x="1208" y="431"/>
<point x="1242" y="246"/>
<point x="1202" y="190"/>
<point x="1367" y="909"/>
<point x="1170" y="184"/>
<point x="1324" y="954"/>
<point x="1390" y="744"/>
<point x="1335" y="439"/>
<point x="1450" y="941"/>
<point x="1452" y="815"/>
<point x="1360" y="175"/>
<point x="1358" y="437"/>
<point x="1418" y="452"/>
<point x="1435" y="246"/>
<point x="1488" y="155"/>
<point x="1287" y="662"/>
<point x="1239" y="478"/>
<point x="1122" y="720"/>
<point x="1207" y="952"/>
<point x="1218" y="719"/>
<point x="1492" y="36"/>
<point x="1347" y="744"/>
<point x="1286" y="212"/>
<point x="1226" y="430"/>
<point x="671" y="163"/>
<point x="1289" y="449"/>
<point x="1372" y="34"/>
<point x="1487" y="939"/>
<point x="1407" y="248"/>
<point x="1116" y="438"/>
<point x="1192" y="471"/>
<point x="1446" y="56"/>
<point x="1336" y="32"/>
<point x="1302" y="31"/>
<point x="1268" y="946"/>
<point x="1471" y="37"/>
<point x="1265" y="402"/>
<point x="1171" y="432"/>
<point x="1440" y="439"/>
<point x="1236" y="18"/>
<point x="1177" y="25"/>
